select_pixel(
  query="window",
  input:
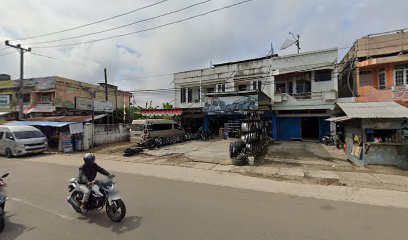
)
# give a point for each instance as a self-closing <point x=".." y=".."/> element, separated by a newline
<point x="45" y="97"/>
<point x="281" y="88"/>
<point x="28" y="134"/>
<point x="9" y="136"/>
<point x="257" y="85"/>
<point x="161" y="127"/>
<point x="189" y="95"/>
<point x="399" y="77"/>
<point x="221" y="87"/>
<point x="401" y="74"/>
<point x="210" y="90"/>
<point x="137" y="127"/>
<point x="382" y="82"/>
<point x="183" y="95"/>
<point x="1" y="135"/>
<point x="323" y="75"/>
<point x="242" y="88"/>
<point x="365" y="78"/>
<point x="26" y="98"/>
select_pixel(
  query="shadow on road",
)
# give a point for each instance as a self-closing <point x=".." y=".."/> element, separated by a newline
<point x="100" y="218"/>
<point x="13" y="230"/>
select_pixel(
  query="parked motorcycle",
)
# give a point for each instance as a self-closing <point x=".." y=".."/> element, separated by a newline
<point x="334" y="139"/>
<point x="205" y="135"/>
<point x="3" y="199"/>
<point x="102" y="195"/>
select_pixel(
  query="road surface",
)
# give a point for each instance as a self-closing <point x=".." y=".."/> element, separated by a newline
<point x="167" y="209"/>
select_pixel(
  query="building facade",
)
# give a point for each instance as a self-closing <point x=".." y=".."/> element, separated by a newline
<point x="376" y="68"/>
<point x="302" y="89"/>
<point x="51" y="96"/>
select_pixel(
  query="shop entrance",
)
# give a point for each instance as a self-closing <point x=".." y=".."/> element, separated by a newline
<point x="310" y="128"/>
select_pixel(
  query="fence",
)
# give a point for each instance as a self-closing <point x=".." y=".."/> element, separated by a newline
<point x="110" y="133"/>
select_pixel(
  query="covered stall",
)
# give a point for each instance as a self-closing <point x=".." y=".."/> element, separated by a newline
<point x="375" y="132"/>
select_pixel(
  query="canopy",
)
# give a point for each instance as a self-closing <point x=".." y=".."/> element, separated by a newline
<point x="33" y="123"/>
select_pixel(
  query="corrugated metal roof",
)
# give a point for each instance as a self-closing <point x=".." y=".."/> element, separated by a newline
<point x="79" y="119"/>
<point x="374" y="110"/>
<point x="32" y="123"/>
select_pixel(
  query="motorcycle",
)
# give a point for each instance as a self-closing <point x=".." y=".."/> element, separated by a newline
<point x="205" y="135"/>
<point x="102" y="195"/>
<point x="3" y="199"/>
<point x="334" y="139"/>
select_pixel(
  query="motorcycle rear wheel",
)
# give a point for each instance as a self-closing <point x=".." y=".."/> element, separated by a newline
<point x="112" y="211"/>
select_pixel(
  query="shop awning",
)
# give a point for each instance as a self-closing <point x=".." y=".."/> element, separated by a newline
<point x="162" y="112"/>
<point x="35" y="123"/>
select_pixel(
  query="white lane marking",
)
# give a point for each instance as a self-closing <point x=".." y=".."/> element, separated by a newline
<point x="41" y="208"/>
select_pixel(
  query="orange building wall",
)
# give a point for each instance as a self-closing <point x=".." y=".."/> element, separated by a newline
<point x="372" y="93"/>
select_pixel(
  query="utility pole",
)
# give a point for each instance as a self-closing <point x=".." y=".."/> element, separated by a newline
<point x="106" y="89"/>
<point x="20" y="90"/>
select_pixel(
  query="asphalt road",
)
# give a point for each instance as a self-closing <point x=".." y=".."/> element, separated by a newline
<point x="167" y="209"/>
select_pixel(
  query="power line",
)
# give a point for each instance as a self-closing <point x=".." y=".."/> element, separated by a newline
<point x="152" y="28"/>
<point x="58" y="59"/>
<point x="123" y="26"/>
<point x="8" y="53"/>
<point x="92" y="23"/>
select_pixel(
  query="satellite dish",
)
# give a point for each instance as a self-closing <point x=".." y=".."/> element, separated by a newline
<point x="287" y="43"/>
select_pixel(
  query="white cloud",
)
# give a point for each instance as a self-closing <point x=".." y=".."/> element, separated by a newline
<point x="238" y="33"/>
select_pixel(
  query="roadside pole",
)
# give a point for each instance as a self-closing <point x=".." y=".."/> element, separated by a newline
<point x="21" y="86"/>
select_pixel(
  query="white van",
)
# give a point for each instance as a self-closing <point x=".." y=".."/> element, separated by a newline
<point x="21" y="140"/>
<point x="154" y="128"/>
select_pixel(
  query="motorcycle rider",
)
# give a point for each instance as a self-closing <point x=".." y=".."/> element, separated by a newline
<point x="87" y="175"/>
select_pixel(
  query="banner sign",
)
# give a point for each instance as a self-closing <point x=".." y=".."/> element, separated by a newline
<point x="400" y="91"/>
<point x="99" y="106"/>
<point x="40" y="108"/>
<point x="103" y="106"/>
<point x="162" y="112"/>
<point x="83" y="103"/>
<point x="4" y="101"/>
<point x="231" y="103"/>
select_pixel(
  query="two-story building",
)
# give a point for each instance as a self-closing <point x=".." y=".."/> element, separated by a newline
<point x="51" y="96"/>
<point x="302" y="89"/>
<point x="375" y="69"/>
<point x="305" y="91"/>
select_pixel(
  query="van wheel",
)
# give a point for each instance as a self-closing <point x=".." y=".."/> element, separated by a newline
<point x="8" y="153"/>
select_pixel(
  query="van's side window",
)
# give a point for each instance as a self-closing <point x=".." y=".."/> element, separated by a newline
<point x="1" y="135"/>
<point x="9" y="136"/>
<point x="161" y="127"/>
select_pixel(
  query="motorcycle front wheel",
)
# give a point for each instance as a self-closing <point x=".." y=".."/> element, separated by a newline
<point x="116" y="211"/>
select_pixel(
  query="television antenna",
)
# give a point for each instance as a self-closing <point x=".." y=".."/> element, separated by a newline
<point x="290" y="42"/>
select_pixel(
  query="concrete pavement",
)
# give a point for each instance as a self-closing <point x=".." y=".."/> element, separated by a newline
<point x="161" y="208"/>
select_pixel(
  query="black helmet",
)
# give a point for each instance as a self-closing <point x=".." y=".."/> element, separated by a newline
<point x="89" y="158"/>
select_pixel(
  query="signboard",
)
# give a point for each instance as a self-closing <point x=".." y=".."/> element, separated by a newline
<point x="44" y="83"/>
<point x="400" y="91"/>
<point x="99" y="106"/>
<point x="231" y="103"/>
<point x="162" y="112"/>
<point x="103" y="106"/>
<point x="83" y="103"/>
<point x="40" y="108"/>
<point x="75" y="128"/>
<point x="4" y="101"/>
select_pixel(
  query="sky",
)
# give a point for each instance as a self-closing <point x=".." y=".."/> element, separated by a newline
<point x="237" y="33"/>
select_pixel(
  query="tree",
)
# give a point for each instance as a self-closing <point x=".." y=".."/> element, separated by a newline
<point x="167" y="105"/>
